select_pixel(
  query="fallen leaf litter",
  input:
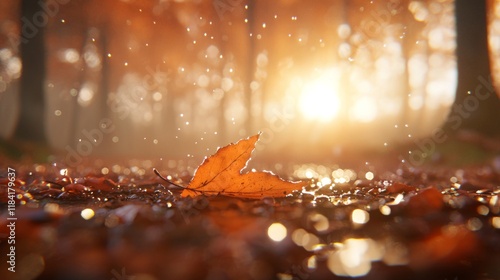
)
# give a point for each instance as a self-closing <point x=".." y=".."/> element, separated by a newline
<point x="444" y="225"/>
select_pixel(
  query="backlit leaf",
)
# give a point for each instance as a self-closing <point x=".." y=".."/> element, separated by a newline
<point x="221" y="174"/>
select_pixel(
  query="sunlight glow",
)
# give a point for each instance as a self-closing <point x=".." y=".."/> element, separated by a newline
<point x="319" y="99"/>
<point x="364" y="110"/>
<point x="69" y="55"/>
<point x="86" y="94"/>
<point x="354" y="257"/>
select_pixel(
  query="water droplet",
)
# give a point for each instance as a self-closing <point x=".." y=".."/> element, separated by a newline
<point x="354" y="257"/>
<point x="277" y="232"/>
<point x="495" y="222"/>
<point x="474" y="224"/>
<point x="385" y="210"/>
<point x="319" y="221"/>
<point x="87" y="213"/>
<point x="359" y="216"/>
<point x="483" y="210"/>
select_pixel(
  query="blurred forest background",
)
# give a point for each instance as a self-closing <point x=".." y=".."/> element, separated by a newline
<point x="179" y="78"/>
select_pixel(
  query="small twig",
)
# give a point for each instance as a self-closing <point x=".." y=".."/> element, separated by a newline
<point x="167" y="180"/>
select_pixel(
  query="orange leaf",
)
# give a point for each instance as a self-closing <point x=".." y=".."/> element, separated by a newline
<point x="221" y="174"/>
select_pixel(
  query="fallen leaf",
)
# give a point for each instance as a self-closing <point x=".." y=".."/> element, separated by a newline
<point x="398" y="187"/>
<point x="426" y="201"/>
<point x="220" y="174"/>
<point x="448" y="245"/>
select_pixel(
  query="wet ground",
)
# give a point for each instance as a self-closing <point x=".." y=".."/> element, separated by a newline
<point x="123" y="222"/>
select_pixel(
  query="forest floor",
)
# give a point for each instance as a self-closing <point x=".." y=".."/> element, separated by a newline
<point x="440" y="220"/>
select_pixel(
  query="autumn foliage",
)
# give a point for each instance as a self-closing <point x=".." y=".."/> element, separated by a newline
<point x="220" y="174"/>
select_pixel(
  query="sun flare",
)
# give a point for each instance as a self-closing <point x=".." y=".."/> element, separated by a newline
<point x="319" y="99"/>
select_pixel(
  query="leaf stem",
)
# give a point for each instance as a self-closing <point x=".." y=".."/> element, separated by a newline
<point x="167" y="180"/>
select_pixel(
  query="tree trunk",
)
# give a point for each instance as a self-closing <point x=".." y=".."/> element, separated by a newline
<point x="31" y="125"/>
<point x="477" y="107"/>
